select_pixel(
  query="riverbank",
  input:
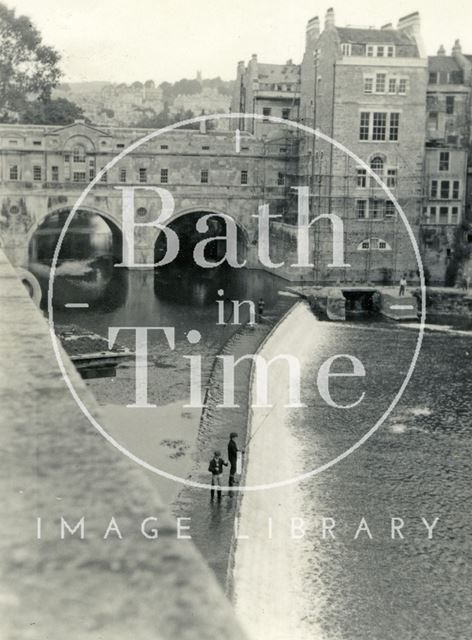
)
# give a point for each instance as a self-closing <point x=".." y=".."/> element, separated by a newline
<point x="164" y="436"/>
<point x="213" y="522"/>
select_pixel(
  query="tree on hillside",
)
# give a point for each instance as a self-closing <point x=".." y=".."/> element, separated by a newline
<point x="181" y="87"/>
<point x="165" y="118"/>
<point x="224" y="87"/>
<point x="58" y="111"/>
<point x="28" y="68"/>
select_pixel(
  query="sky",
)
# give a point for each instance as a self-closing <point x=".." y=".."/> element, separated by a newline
<point x="128" y="40"/>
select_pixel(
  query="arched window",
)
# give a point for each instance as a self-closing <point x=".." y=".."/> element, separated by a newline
<point x="78" y="154"/>
<point x="374" y="244"/>
<point x="377" y="165"/>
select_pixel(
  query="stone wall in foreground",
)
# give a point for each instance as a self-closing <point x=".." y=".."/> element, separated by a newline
<point x="54" y="463"/>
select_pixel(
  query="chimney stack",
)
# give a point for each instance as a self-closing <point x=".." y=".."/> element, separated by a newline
<point x="457" y="48"/>
<point x="329" y="19"/>
<point x="312" y="32"/>
<point x="441" y="51"/>
<point x="411" y="25"/>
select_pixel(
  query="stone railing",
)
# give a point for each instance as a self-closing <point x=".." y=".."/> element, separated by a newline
<point x="55" y="465"/>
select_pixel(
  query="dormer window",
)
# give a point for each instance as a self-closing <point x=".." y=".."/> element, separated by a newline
<point x="380" y="51"/>
<point x="346" y="49"/>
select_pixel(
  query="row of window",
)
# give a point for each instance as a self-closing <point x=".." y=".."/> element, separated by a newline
<point x="14" y="172"/>
<point x="446" y="77"/>
<point x="79" y="154"/>
<point x="14" y="142"/>
<point x="433" y="104"/>
<point x="381" y="83"/>
<point x="39" y="143"/>
<point x="377" y="244"/>
<point x="445" y="189"/>
<point x="371" y="50"/>
<point x="267" y="111"/>
<point x="375" y="209"/>
<point x="81" y="176"/>
<point x="379" y="126"/>
<point x="270" y="86"/>
<point x="442" y="214"/>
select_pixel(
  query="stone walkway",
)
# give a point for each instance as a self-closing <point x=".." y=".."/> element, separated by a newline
<point x="213" y="522"/>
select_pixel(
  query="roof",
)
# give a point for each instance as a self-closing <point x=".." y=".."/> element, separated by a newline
<point x="279" y="72"/>
<point x="374" y="36"/>
<point x="442" y="63"/>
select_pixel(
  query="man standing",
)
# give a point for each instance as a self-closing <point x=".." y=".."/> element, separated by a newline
<point x="403" y="284"/>
<point x="260" y="309"/>
<point x="232" y="456"/>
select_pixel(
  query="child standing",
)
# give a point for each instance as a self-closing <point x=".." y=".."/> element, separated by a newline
<point x="216" y="469"/>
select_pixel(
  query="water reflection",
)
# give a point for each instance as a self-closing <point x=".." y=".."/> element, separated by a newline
<point x="88" y="236"/>
<point x="184" y="285"/>
<point x="95" y="281"/>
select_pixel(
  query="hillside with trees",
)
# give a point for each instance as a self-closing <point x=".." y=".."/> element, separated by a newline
<point x="31" y="92"/>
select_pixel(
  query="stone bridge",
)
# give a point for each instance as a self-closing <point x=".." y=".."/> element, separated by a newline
<point x="46" y="169"/>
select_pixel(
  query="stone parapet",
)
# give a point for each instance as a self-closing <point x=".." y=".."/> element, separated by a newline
<point x="55" y="464"/>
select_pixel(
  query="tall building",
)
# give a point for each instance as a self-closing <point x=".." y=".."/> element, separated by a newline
<point x="445" y="236"/>
<point x="365" y="88"/>
<point x="268" y="90"/>
<point x="406" y="116"/>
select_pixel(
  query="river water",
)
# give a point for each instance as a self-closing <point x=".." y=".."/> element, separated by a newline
<point x="417" y="465"/>
<point x="163" y="436"/>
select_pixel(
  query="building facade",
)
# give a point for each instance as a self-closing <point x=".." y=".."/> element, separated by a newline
<point x="445" y="234"/>
<point x="267" y="90"/>
<point x="405" y="115"/>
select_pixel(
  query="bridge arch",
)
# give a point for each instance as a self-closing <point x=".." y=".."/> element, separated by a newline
<point x="46" y="225"/>
<point x="183" y="223"/>
<point x="107" y="216"/>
